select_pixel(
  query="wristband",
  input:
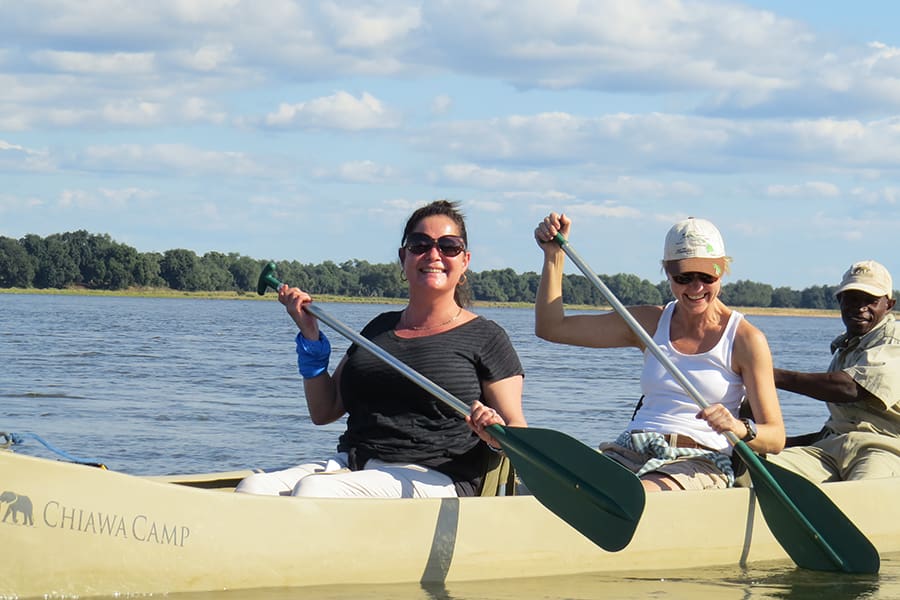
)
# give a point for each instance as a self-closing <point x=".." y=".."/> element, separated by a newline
<point x="751" y="430"/>
<point x="312" y="355"/>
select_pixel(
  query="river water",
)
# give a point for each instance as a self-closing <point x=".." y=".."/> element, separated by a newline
<point x="162" y="386"/>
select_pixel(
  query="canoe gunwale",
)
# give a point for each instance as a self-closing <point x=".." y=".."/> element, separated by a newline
<point x="112" y="533"/>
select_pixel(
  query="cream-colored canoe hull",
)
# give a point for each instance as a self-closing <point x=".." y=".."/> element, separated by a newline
<point x="76" y="530"/>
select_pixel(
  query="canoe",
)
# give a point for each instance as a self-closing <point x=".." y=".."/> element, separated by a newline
<point x="75" y="530"/>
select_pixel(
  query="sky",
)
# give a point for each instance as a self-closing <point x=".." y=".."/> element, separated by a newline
<point x="309" y="131"/>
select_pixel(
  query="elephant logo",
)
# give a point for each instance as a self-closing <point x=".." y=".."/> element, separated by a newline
<point x="17" y="504"/>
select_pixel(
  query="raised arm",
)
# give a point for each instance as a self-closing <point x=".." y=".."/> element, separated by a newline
<point x="551" y="323"/>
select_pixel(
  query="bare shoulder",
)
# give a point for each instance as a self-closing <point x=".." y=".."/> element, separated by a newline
<point x="750" y="338"/>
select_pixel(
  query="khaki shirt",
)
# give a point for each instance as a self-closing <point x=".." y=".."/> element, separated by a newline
<point x="873" y="361"/>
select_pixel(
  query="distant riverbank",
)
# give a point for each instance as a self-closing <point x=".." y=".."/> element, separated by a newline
<point x="169" y="293"/>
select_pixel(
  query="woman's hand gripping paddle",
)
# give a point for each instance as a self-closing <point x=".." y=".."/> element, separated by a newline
<point x="594" y="494"/>
<point x="812" y="530"/>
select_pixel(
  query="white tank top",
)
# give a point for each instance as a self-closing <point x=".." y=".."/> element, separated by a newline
<point x="667" y="408"/>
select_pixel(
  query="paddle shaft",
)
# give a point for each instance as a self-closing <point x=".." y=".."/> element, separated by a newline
<point x="744" y="451"/>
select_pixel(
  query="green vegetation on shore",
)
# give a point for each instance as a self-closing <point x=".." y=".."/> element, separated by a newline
<point x="88" y="262"/>
<point x="85" y="261"/>
<point x="241" y="295"/>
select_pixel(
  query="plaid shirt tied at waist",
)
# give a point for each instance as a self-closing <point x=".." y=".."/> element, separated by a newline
<point x="656" y="448"/>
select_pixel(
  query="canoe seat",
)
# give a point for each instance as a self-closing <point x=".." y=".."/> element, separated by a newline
<point x="500" y="477"/>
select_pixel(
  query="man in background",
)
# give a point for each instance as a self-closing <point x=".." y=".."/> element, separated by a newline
<point x="861" y="438"/>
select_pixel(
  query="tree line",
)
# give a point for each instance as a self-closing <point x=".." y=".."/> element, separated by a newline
<point x="95" y="261"/>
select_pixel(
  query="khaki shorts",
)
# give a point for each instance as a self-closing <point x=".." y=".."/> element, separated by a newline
<point x="689" y="472"/>
<point x="841" y="457"/>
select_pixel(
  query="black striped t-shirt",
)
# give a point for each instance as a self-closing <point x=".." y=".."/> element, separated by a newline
<point x="395" y="420"/>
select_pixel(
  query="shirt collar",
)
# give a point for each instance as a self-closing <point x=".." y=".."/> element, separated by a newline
<point x="844" y="341"/>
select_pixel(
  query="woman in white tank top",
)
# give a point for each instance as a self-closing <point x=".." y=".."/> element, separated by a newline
<point x="670" y="443"/>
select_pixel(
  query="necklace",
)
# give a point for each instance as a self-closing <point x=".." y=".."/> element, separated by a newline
<point x="424" y="328"/>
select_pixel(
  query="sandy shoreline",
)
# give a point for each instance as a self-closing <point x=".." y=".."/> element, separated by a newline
<point x="167" y="293"/>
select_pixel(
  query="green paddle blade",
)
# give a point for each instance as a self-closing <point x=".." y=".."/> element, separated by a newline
<point x="591" y="492"/>
<point x="808" y="525"/>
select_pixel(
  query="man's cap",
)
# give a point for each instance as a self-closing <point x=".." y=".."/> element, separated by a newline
<point x="867" y="276"/>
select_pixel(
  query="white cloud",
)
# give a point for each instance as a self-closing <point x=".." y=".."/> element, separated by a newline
<point x="810" y="189"/>
<point x="201" y="110"/>
<point x="476" y="176"/>
<point x="118" y="112"/>
<point x="489" y="206"/>
<point x="670" y="141"/>
<point x="15" y="157"/>
<point x="628" y="187"/>
<point x="78" y="199"/>
<point x="883" y="58"/>
<point x="105" y="199"/>
<point x="338" y="111"/>
<point x="887" y="195"/>
<point x="729" y="57"/>
<point x="203" y="12"/>
<point x="615" y="45"/>
<point x="441" y="104"/>
<point x="95" y="63"/>
<point x="266" y="201"/>
<point x="124" y="196"/>
<point x="6" y="146"/>
<point x="359" y="171"/>
<point x="132" y="113"/>
<point x="166" y="159"/>
<point x="18" y="204"/>
<point x="207" y="58"/>
<point x="605" y="209"/>
<point x="364" y="27"/>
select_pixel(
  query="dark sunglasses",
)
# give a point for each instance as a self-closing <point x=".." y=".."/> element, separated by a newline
<point x="448" y="245"/>
<point x="686" y="278"/>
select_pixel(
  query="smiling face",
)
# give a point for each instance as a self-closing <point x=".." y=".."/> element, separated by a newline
<point x="861" y="311"/>
<point x="696" y="291"/>
<point x="433" y="269"/>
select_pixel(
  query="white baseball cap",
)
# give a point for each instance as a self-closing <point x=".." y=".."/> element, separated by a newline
<point x="867" y="276"/>
<point x="695" y="245"/>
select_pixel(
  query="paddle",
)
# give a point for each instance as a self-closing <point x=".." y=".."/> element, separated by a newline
<point x="594" y="494"/>
<point x="807" y="524"/>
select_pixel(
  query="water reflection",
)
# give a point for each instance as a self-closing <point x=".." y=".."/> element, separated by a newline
<point x="769" y="581"/>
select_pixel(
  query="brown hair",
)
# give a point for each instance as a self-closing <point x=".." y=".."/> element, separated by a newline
<point x="447" y="208"/>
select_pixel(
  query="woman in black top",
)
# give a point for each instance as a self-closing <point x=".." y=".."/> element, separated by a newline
<point x="400" y="440"/>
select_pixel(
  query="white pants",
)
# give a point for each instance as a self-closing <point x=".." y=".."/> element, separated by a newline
<point x="333" y="479"/>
